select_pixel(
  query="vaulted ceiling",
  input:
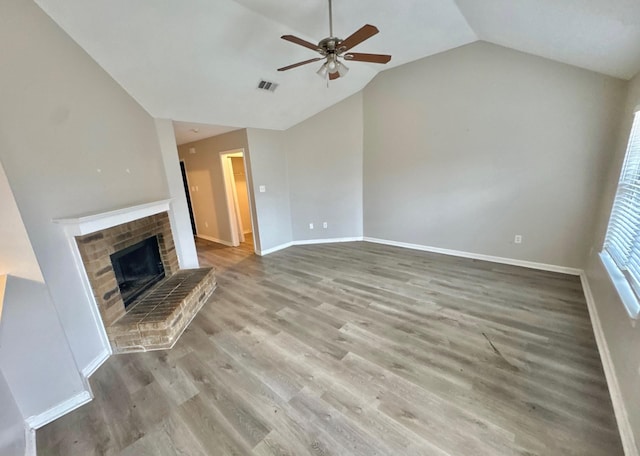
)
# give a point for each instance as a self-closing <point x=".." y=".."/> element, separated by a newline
<point x="201" y="60"/>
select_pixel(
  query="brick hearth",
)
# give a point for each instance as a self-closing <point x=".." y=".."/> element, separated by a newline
<point x="156" y="320"/>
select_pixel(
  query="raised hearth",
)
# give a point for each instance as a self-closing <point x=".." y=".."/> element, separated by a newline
<point x="156" y="320"/>
<point x="156" y="316"/>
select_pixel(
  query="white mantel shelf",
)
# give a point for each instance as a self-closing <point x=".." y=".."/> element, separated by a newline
<point x="90" y="223"/>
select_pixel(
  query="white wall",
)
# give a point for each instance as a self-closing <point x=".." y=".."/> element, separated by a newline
<point x="12" y="437"/>
<point x="622" y="336"/>
<point x="267" y="165"/>
<point x="71" y="142"/>
<point x="324" y="159"/>
<point x="206" y="181"/>
<point x="16" y="254"/>
<point x="465" y="149"/>
<point x="35" y="357"/>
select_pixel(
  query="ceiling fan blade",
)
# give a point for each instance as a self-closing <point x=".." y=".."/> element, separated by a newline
<point x="364" y="33"/>
<point x="373" y="58"/>
<point x="333" y="76"/>
<point x="299" y="64"/>
<point x="301" y="42"/>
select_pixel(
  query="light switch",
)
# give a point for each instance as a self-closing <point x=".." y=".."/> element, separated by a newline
<point x="263" y="188"/>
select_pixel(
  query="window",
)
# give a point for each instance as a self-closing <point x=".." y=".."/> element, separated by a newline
<point x="621" y="251"/>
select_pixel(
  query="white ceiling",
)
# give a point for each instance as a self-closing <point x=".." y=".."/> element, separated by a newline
<point x="187" y="132"/>
<point x="201" y="60"/>
<point x="600" y="35"/>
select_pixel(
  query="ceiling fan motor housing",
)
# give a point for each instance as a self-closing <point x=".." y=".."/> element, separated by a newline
<point x="329" y="45"/>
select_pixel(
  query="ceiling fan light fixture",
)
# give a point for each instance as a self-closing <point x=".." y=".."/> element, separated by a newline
<point x="342" y="69"/>
<point x="323" y="71"/>
<point x="332" y="63"/>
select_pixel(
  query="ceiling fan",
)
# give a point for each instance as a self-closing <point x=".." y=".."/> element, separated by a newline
<point x="334" y="49"/>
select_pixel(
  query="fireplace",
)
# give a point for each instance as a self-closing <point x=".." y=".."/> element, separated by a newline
<point x="137" y="268"/>
<point x="131" y="266"/>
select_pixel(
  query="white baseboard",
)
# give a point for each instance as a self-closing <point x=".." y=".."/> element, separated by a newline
<point x="98" y="361"/>
<point x="619" y="407"/>
<point x="307" y="242"/>
<point x="274" y="249"/>
<point x="64" y="407"/>
<point x="478" y="256"/>
<point x="216" y="240"/>
<point x="37" y="421"/>
<point x="426" y="248"/>
<point x="327" y="241"/>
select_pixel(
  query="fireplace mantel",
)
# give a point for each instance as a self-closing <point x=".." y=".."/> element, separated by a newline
<point x="90" y="223"/>
<point x="80" y="225"/>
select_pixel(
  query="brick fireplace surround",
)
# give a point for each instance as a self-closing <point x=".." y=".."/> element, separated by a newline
<point x="96" y="248"/>
<point x="156" y="319"/>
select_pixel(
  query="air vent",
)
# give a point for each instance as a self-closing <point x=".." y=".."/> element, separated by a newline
<point x="268" y="86"/>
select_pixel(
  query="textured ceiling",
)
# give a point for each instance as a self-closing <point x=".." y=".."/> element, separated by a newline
<point x="599" y="35"/>
<point x="201" y="60"/>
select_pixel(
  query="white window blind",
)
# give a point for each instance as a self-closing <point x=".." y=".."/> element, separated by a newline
<point x="622" y="242"/>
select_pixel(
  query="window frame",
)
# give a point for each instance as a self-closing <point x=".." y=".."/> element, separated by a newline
<point x="626" y="283"/>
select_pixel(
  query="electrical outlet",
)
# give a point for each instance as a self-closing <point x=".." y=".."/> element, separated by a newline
<point x="517" y="239"/>
<point x="310" y="226"/>
<point x="262" y="188"/>
<point x="325" y="225"/>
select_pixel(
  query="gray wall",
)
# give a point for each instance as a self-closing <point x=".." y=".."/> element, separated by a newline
<point x="465" y="149"/>
<point x="179" y="214"/>
<point x="206" y="182"/>
<point x="324" y="158"/>
<point x="623" y="338"/>
<point x="62" y="118"/>
<point x="267" y="165"/>
<point x="312" y="172"/>
<point x="12" y="435"/>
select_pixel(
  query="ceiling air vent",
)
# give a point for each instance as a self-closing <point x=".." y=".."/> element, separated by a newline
<point x="268" y="86"/>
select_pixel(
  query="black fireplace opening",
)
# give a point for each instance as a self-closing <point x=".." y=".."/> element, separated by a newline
<point x="137" y="268"/>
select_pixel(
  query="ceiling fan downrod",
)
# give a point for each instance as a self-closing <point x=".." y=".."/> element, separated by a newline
<point x="330" y="20"/>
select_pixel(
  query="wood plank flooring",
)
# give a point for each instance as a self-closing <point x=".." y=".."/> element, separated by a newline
<point x="359" y="349"/>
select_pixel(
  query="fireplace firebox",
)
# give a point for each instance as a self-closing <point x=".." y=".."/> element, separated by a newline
<point x="137" y="268"/>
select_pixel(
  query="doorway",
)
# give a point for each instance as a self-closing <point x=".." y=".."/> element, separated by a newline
<point x="187" y="192"/>
<point x="237" y="196"/>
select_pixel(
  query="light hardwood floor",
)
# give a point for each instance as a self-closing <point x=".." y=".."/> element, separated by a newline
<point x="359" y="349"/>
